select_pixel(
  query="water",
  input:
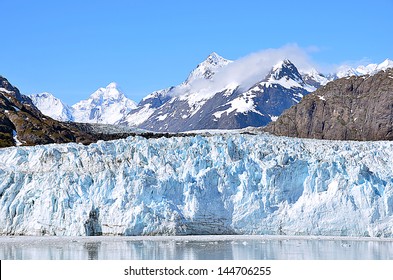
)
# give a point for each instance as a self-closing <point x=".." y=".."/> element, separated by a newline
<point x="194" y="248"/>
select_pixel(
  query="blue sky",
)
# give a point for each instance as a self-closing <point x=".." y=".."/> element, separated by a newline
<point x="71" y="48"/>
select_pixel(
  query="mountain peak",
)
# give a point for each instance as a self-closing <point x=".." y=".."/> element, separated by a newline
<point x="214" y="54"/>
<point x="286" y="63"/>
<point x="387" y="63"/>
<point x="207" y="68"/>
<point x="111" y="91"/>
<point x="285" y="68"/>
<point x="112" y="85"/>
<point x="105" y="105"/>
<point x="10" y="89"/>
<point x="215" y="59"/>
<point x="42" y="95"/>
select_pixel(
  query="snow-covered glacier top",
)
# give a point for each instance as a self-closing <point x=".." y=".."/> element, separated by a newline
<point x="221" y="184"/>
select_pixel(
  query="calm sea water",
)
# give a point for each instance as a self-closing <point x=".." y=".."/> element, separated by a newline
<point x="193" y="248"/>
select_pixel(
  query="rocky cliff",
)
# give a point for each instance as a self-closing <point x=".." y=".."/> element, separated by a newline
<point x="352" y="108"/>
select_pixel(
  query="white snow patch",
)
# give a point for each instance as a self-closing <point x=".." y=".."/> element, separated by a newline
<point x="241" y="105"/>
<point x="139" y="116"/>
<point x="163" y="117"/>
<point x="298" y="94"/>
<point x="15" y="136"/>
<point x="218" y="114"/>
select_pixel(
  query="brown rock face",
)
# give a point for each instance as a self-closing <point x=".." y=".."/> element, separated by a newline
<point x="355" y="108"/>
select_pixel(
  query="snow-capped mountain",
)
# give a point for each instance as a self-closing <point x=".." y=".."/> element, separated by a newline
<point x="283" y="87"/>
<point x="53" y="107"/>
<point x="370" y="69"/>
<point x="210" y="66"/>
<point x="106" y="105"/>
<point x="147" y="110"/>
<point x="204" y="101"/>
<point x="198" y="103"/>
<point x="222" y="184"/>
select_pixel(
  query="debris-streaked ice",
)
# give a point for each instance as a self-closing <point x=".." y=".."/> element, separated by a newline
<point x="219" y="184"/>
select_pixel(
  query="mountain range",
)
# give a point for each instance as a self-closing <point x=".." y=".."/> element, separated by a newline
<point x="190" y="106"/>
<point x="197" y="103"/>
<point x="370" y="69"/>
<point x="200" y="102"/>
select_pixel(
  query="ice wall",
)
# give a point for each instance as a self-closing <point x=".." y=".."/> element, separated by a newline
<point x="222" y="184"/>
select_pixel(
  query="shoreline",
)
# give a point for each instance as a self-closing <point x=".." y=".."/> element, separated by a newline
<point x="183" y="238"/>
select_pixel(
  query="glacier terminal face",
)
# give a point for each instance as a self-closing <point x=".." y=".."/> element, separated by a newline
<point x="221" y="184"/>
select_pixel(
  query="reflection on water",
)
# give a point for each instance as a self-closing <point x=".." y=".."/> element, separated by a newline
<point x="184" y="248"/>
<point x="92" y="249"/>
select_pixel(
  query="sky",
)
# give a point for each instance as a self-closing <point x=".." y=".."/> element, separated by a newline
<point x="71" y="48"/>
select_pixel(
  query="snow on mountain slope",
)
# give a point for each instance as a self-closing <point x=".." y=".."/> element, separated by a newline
<point x="314" y="78"/>
<point x="387" y="63"/>
<point x="106" y="105"/>
<point x="370" y="69"/>
<point x="146" y="108"/>
<point x="52" y="106"/>
<point x="223" y="184"/>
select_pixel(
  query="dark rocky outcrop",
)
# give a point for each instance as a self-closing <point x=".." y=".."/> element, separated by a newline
<point x="92" y="224"/>
<point x="354" y="108"/>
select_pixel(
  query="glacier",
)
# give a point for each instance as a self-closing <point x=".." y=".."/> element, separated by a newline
<point x="227" y="183"/>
